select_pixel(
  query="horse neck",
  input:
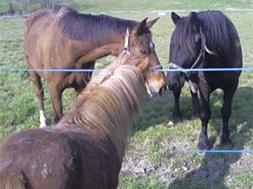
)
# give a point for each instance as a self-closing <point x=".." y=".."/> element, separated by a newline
<point x="112" y="44"/>
<point x="99" y="33"/>
<point x="106" y="112"/>
<point x="97" y="49"/>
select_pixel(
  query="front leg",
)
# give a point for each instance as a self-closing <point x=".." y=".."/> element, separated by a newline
<point x="205" y="114"/>
<point x="176" y="114"/>
<point x="82" y="79"/>
<point x="195" y="104"/>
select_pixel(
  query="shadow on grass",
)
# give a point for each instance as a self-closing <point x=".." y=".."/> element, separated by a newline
<point x="215" y="167"/>
<point x="158" y="111"/>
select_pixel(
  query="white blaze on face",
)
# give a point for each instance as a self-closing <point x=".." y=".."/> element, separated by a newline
<point x="42" y="119"/>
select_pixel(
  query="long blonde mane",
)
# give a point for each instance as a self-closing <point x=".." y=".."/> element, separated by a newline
<point x="109" y="102"/>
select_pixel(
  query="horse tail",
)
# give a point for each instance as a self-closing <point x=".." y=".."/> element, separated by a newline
<point x="12" y="181"/>
<point x="33" y="17"/>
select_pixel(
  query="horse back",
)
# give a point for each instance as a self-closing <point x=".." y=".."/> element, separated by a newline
<point x="52" y="159"/>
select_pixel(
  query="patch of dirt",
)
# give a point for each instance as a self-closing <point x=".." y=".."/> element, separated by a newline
<point x="175" y="167"/>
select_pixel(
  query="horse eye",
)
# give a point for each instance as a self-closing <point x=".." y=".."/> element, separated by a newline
<point x="151" y="45"/>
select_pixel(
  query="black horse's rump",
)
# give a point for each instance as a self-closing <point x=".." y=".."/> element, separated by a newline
<point x="206" y="39"/>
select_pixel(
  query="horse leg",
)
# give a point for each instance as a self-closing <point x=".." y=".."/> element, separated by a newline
<point x="55" y="92"/>
<point x="205" y="114"/>
<point x="176" y="115"/>
<point x="226" y="112"/>
<point x="85" y="80"/>
<point x="195" y="104"/>
<point x="36" y="80"/>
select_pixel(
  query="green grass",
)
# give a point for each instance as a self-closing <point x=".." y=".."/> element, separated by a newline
<point x="132" y="5"/>
<point x="130" y="182"/>
<point x="153" y="141"/>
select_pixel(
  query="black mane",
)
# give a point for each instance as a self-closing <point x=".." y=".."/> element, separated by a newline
<point x="93" y="27"/>
<point x="218" y="29"/>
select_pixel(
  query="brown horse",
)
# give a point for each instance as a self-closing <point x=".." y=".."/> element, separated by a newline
<point x="85" y="149"/>
<point x="67" y="39"/>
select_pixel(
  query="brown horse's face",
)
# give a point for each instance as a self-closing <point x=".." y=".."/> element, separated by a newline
<point x="154" y="79"/>
<point x="142" y="46"/>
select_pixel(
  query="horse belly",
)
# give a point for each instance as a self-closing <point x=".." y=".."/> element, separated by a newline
<point x="222" y="80"/>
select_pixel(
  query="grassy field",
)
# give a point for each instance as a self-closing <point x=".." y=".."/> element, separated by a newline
<point x="153" y="160"/>
<point x="132" y="5"/>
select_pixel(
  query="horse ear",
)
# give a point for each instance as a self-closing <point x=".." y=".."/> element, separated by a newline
<point x="149" y="24"/>
<point x="194" y="18"/>
<point x="141" y="27"/>
<point x="175" y="17"/>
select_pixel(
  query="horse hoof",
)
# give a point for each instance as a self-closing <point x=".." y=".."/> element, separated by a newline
<point x="176" y="118"/>
<point x="226" y="143"/>
<point x="56" y="119"/>
<point x="195" y="114"/>
<point x="170" y="123"/>
<point x="204" y="144"/>
<point x="43" y="125"/>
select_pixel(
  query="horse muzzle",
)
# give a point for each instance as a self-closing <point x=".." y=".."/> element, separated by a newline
<point x="156" y="88"/>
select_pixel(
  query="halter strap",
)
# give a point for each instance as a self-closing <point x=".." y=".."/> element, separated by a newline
<point x="192" y="85"/>
<point x="201" y="54"/>
<point x="156" y="68"/>
<point x="177" y="67"/>
<point x="196" y="62"/>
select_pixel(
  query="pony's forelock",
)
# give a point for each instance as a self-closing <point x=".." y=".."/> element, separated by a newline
<point x="217" y="28"/>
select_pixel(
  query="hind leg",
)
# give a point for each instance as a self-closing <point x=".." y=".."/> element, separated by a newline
<point x="226" y="112"/>
<point x="84" y="77"/>
<point x="36" y="80"/>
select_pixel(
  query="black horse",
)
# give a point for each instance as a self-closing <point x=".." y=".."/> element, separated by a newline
<point x="206" y="39"/>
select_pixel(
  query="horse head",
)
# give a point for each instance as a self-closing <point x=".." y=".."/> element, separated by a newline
<point x="143" y="55"/>
<point x="188" y="48"/>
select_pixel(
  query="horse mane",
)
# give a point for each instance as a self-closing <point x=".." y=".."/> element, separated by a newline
<point x="109" y="103"/>
<point x="92" y="27"/>
<point x="218" y="29"/>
